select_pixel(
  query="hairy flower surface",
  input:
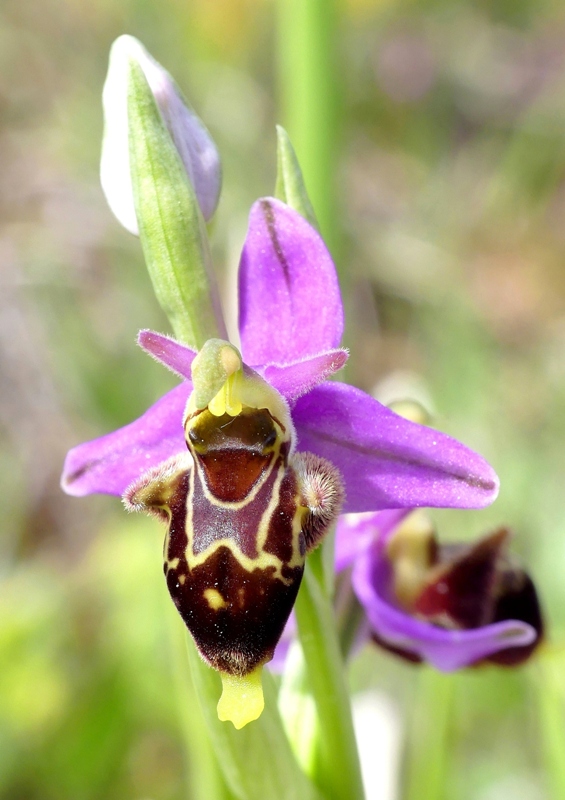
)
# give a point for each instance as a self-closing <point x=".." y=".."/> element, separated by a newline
<point x="290" y="325"/>
<point x="450" y="605"/>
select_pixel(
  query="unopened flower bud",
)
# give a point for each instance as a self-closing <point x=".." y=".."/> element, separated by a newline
<point x="194" y="144"/>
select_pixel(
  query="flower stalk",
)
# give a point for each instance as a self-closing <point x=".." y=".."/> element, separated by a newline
<point x="309" y="98"/>
<point x="334" y="763"/>
<point x="257" y="761"/>
<point x="337" y="769"/>
<point x="428" y="751"/>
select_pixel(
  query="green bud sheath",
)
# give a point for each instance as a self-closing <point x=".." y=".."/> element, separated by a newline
<point x="171" y="228"/>
<point x="290" y="186"/>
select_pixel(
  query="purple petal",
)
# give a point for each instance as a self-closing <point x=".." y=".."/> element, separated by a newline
<point x="387" y="461"/>
<point x="294" y="380"/>
<point x="109" y="464"/>
<point x="289" y="301"/>
<point x="277" y="663"/>
<point x="356" y="532"/>
<point x="447" y="650"/>
<point x="172" y="354"/>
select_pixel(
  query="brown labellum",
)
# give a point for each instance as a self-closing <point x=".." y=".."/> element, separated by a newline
<point x="241" y="519"/>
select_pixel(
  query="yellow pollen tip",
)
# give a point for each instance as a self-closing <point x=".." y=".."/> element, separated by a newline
<point x="227" y="400"/>
<point x="242" y="698"/>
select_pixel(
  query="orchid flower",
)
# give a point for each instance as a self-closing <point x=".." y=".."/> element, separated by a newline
<point x="290" y="325"/>
<point x="449" y="605"/>
<point x="249" y="460"/>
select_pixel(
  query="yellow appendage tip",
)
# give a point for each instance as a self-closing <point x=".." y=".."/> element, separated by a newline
<point x="242" y="698"/>
<point x="227" y="400"/>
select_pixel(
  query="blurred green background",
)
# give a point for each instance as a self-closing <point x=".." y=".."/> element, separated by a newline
<point x="451" y="248"/>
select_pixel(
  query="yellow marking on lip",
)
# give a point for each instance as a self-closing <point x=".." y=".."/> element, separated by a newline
<point x="169" y="565"/>
<point x="182" y="579"/>
<point x="214" y="599"/>
<point x="263" y="560"/>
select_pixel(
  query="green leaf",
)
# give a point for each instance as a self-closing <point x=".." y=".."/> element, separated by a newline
<point x="290" y="186"/>
<point x="256" y="761"/>
<point x="171" y="228"/>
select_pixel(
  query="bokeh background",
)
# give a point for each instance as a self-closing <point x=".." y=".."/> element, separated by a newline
<point x="450" y="178"/>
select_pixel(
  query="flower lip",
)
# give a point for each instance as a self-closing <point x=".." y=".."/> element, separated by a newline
<point x="447" y="650"/>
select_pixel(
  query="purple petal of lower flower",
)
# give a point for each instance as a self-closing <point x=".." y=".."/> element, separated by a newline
<point x="294" y="380"/>
<point x="356" y="532"/>
<point x="387" y="461"/>
<point x="277" y="663"/>
<point x="289" y="300"/>
<point x="109" y="464"/>
<point x="174" y="355"/>
<point x="447" y="650"/>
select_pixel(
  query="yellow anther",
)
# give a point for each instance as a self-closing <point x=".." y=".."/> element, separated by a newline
<point x="229" y="359"/>
<point x="227" y="400"/>
<point x="214" y="365"/>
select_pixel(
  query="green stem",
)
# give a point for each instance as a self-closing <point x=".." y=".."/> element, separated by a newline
<point x="336" y="771"/>
<point x="550" y="693"/>
<point x="428" y="752"/>
<point x="257" y="762"/>
<point x="350" y="623"/>
<point x="309" y="98"/>
<point x="308" y="76"/>
<point x="298" y="710"/>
